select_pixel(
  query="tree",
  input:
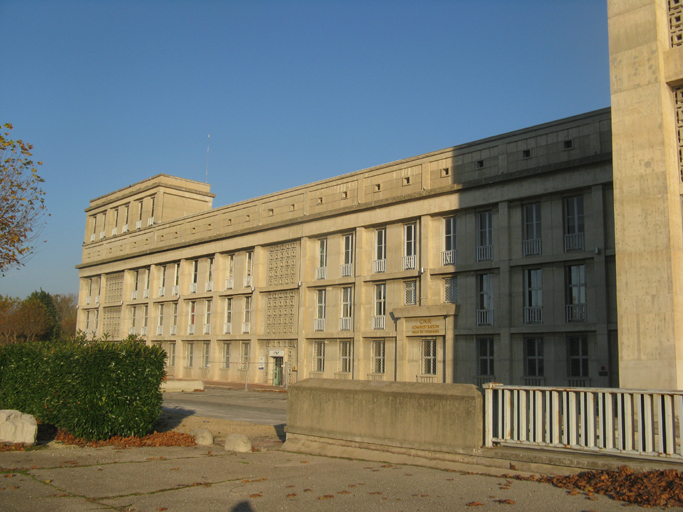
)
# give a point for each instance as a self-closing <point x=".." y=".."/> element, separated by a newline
<point x="27" y="320"/>
<point x="66" y="313"/>
<point x="51" y="330"/>
<point x="22" y="206"/>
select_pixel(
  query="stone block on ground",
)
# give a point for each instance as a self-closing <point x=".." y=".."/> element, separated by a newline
<point x="17" y="427"/>
<point x="238" y="443"/>
<point x="203" y="437"/>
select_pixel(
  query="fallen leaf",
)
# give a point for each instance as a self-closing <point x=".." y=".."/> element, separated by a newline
<point x="291" y="495"/>
<point x="288" y="486"/>
<point x="308" y="490"/>
<point x="376" y="492"/>
<point x="344" y="492"/>
<point x="474" y="504"/>
<point x="175" y="469"/>
<point x="303" y="461"/>
<point x="506" y="502"/>
<point x="256" y="495"/>
<point x="161" y="509"/>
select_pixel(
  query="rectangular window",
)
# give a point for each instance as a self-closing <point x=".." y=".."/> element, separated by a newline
<point x="176" y="275"/>
<point x="346" y="302"/>
<point x="151" y="208"/>
<point x="450" y="289"/>
<point x="163" y="276"/>
<point x="140" y="203"/>
<point x="206" y="351"/>
<point x="485" y="356"/>
<point x="210" y="274"/>
<point x="485" y="299"/>
<point x="410" y="293"/>
<point x="573" y="224"/>
<point x="378" y="321"/>
<point x="87" y="320"/>
<point x="576" y="293"/>
<point x="193" y="310"/>
<point x="226" y="355"/>
<point x="485" y="236"/>
<point x="195" y="271"/>
<point x="175" y="313"/>
<point x="171" y="354"/>
<point x="161" y="314"/>
<point x="533" y="296"/>
<point x="533" y="357"/>
<point x="136" y="278"/>
<point x="249" y="268"/>
<point x="320" y="303"/>
<point x="345" y="356"/>
<point x="378" y="356"/>
<point x="319" y="356"/>
<point x="207" y="317"/>
<point x="448" y="253"/>
<point x="189" y="354"/>
<point x="532" y="229"/>
<point x="347" y="261"/>
<point x="133" y="313"/>
<point x="245" y="354"/>
<point x="228" y="311"/>
<point x="247" y="309"/>
<point x="428" y="357"/>
<point x="578" y="356"/>
<point x="321" y="270"/>
<point x="146" y="290"/>
<point x="126" y="216"/>
<point x="380" y="263"/>
<point x="409" y="246"/>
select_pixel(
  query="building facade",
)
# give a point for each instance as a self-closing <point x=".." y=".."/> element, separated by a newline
<point x="488" y="261"/>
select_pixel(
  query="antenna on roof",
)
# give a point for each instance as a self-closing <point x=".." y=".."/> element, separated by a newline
<point x="207" y="157"/>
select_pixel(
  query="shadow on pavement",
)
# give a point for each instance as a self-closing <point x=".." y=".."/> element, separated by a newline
<point x="280" y="431"/>
<point x="242" y="506"/>
<point x="170" y="418"/>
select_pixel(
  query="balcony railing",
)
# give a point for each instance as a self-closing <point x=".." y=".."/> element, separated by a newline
<point x="534" y="381"/>
<point x="124" y="229"/>
<point x="138" y="224"/>
<point x="145" y="293"/>
<point x="143" y="330"/>
<point x="208" y="286"/>
<point x="533" y="315"/>
<point x="409" y="262"/>
<point x="573" y="242"/>
<point x="345" y="323"/>
<point x="319" y="324"/>
<point x="379" y="266"/>
<point x="87" y="301"/>
<point x="227" y="328"/>
<point x="576" y="312"/>
<point x="160" y="330"/>
<point x="134" y="295"/>
<point x="321" y="273"/>
<point x="532" y="247"/>
<point x="448" y="258"/>
<point x="175" y="290"/>
<point x="346" y="270"/>
<point x="131" y="330"/>
<point x="246" y="327"/>
<point x="484" y="253"/>
<point x="113" y="232"/>
<point x="190" y="329"/>
<point x="150" y="221"/>
<point x="207" y="328"/>
<point x="174" y="330"/>
<point x="378" y="322"/>
<point x="97" y="299"/>
<point x="247" y="281"/>
<point x="229" y="283"/>
<point x="162" y="291"/>
<point x="484" y="317"/>
<point x="92" y="237"/>
<point x="375" y="376"/>
<point x="102" y="235"/>
<point x="193" y="287"/>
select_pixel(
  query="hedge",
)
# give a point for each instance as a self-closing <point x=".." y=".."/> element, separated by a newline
<point x="94" y="392"/>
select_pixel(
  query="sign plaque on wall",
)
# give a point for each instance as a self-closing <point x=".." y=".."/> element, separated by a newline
<point x="431" y="326"/>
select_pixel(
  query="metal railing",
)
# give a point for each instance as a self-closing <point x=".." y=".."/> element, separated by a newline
<point x="87" y="301"/>
<point x="143" y="330"/>
<point x="576" y="312"/>
<point x="193" y="287"/>
<point x="630" y="422"/>
<point x="346" y="269"/>
<point x="484" y="317"/>
<point x="319" y="324"/>
<point x="321" y="273"/>
<point x="379" y="266"/>
<point x="92" y="237"/>
<point x="533" y="315"/>
<point x="103" y="234"/>
<point x="229" y="283"/>
<point x="375" y="376"/>
<point x="134" y="295"/>
<point x="448" y="258"/>
<point x="160" y="330"/>
<point x="131" y="330"/>
<point x="175" y="291"/>
<point x="113" y="231"/>
<point x="145" y="293"/>
<point x="378" y="322"/>
<point x="573" y="242"/>
<point x="345" y="323"/>
<point x="531" y="247"/>
<point x="138" y="224"/>
<point x="174" y="330"/>
<point x="485" y="253"/>
<point x="97" y="299"/>
<point x="208" y="286"/>
<point x="162" y="291"/>
<point x="190" y="329"/>
<point x="124" y="229"/>
<point x="207" y="328"/>
<point x="227" y="328"/>
<point x="425" y="378"/>
<point x="247" y="281"/>
<point x="246" y="327"/>
<point x="409" y="262"/>
<point x="150" y="221"/>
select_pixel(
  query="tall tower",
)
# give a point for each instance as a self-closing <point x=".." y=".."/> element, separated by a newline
<point x="646" y="69"/>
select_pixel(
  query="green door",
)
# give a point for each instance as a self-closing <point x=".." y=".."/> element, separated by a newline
<point x="277" y="372"/>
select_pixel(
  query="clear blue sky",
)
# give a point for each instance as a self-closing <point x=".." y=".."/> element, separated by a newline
<point x="113" y="92"/>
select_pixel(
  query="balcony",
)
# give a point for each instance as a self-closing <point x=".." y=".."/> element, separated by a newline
<point x="114" y="232"/>
<point x="579" y="382"/>
<point x="131" y="330"/>
<point x="319" y="324"/>
<point x="573" y="242"/>
<point x="162" y="291"/>
<point x="576" y="312"/>
<point x="227" y="328"/>
<point x="102" y="235"/>
<point x="190" y="329"/>
<point x="175" y="290"/>
<point x="409" y="262"/>
<point x="247" y="281"/>
<point x="160" y="330"/>
<point x="92" y="237"/>
<point x="97" y="299"/>
<point x="246" y="327"/>
<point x="138" y="224"/>
<point x="150" y="221"/>
<point x="533" y="315"/>
<point x="208" y="286"/>
<point x="174" y="330"/>
<point x="143" y="330"/>
<point x="379" y="266"/>
<point x="347" y="270"/>
<point x="145" y="293"/>
<point x="534" y="381"/>
<point x="345" y="323"/>
<point x="484" y="317"/>
<point x="532" y="247"/>
<point x="378" y="322"/>
<point x="447" y="258"/>
<point x="207" y="328"/>
<point x="321" y="273"/>
<point x="375" y="376"/>
<point x="124" y="229"/>
<point x="87" y="301"/>
<point x="229" y="283"/>
<point x="485" y="253"/>
<point x="193" y="287"/>
<point x="483" y="379"/>
<point x="134" y="295"/>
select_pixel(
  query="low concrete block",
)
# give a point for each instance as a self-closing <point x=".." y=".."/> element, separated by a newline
<point x="203" y="437"/>
<point x="238" y="443"/>
<point x="17" y="427"/>
<point x="177" y="386"/>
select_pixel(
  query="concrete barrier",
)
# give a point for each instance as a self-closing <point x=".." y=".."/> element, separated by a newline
<point x="388" y="416"/>
<point x="176" y="386"/>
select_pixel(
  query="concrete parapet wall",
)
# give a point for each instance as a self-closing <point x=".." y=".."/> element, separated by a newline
<point x="442" y="418"/>
<point x="176" y="386"/>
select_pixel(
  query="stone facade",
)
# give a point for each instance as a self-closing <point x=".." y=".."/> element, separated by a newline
<point x="488" y="261"/>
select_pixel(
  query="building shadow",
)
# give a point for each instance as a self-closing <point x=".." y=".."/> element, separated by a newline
<point x="242" y="506"/>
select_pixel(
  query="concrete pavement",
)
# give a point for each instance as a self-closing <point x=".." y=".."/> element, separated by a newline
<point x="209" y="479"/>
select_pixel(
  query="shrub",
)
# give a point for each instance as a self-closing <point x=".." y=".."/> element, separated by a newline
<point x="93" y="391"/>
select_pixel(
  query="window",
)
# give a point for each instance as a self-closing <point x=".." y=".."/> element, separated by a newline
<point x="162" y="281"/>
<point x="230" y="280"/>
<point x="176" y="279"/>
<point x="189" y="354"/>
<point x="378" y="321"/>
<point x="533" y="296"/>
<point x="321" y="271"/>
<point x="450" y="289"/>
<point x="140" y="203"/>
<point x="133" y="313"/>
<point x="145" y="292"/>
<point x="171" y="354"/>
<point x="526" y="153"/>
<point x="114" y="230"/>
<point x="150" y="221"/>
<point x="345" y="356"/>
<point x="532" y="229"/>
<point x="410" y="293"/>
<point x="319" y="356"/>
<point x="209" y="277"/>
<point x="485" y="236"/>
<point x="191" y="319"/>
<point x="103" y="233"/>
<point x="428" y="357"/>
<point x="244" y="354"/>
<point x="175" y="313"/>
<point x="533" y="357"/>
<point x="246" y="325"/>
<point x="160" y="323"/>
<point x="347" y="265"/>
<point x="485" y="302"/>
<point x="320" y="300"/>
<point x="126" y="218"/>
<point x="228" y="316"/>
<point x="226" y="355"/>
<point x="136" y="277"/>
<point x="195" y="276"/>
<point x="576" y="293"/>
<point x="485" y="357"/>
<point x="448" y="253"/>
<point x="87" y="299"/>
<point x="409" y="246"/>
<point x="573" y="224"/>
<point x="206" y="351"/>
<point x="87" y="320"/>
<point x="378" y="356"/>
<point x="346" y="308"/>
<point x="380" y="263"/>
<point x="249" y="269"/>
<point x="207" y="317"/>
<point x="578" y="356"/>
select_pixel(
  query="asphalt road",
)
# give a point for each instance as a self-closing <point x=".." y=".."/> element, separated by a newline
<point x="260" y="407"/>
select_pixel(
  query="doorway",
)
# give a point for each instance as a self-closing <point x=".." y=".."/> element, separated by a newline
<point x="277" y="371"/>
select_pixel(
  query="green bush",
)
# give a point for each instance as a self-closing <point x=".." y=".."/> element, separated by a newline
<point x="93" y="391"/>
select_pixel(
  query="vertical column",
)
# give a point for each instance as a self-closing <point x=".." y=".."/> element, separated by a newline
<point x="599" y="314"/>
<point x="501" y="303"/>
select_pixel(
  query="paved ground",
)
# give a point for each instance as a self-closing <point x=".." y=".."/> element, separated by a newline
<point x="207" y="480"/>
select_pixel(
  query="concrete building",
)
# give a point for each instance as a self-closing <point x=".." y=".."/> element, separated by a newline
<point x="488" y="261"/>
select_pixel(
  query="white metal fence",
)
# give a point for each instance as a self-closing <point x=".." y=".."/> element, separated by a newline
<point x="636" y="423"/>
